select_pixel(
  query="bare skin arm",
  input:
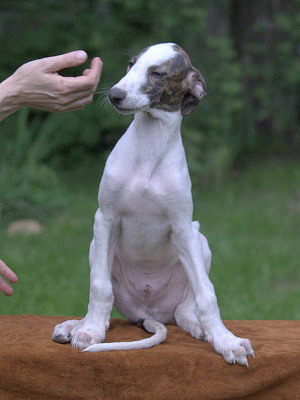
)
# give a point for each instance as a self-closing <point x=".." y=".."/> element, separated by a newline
<point x="37" y="84"/>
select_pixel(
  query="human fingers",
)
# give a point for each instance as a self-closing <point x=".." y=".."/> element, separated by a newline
<point x="56" y="63"/>
<point x="78" y="104"/>
<point x="8" y="274"/>
<point x="86" y="72"/>
<point x="5" y="288"/>
<point x="66" y="101"/>
<point x="89" y="79"/>
<point x="95" y="71"/>
<point x="75" y="104"/>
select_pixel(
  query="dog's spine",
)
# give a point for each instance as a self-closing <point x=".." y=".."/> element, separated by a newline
<point x="160" y="334"/>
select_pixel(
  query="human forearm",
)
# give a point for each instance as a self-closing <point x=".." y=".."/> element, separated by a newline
<point x="37" y="84"/>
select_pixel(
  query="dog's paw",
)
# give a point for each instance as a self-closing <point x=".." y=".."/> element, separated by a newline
<point x="62" y="333"/>
<point x="190" y="324"/>
<point x="87" y="335"/>
<point x="234" y="349"/>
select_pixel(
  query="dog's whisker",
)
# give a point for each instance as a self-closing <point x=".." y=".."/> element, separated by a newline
<point x="103" y="90"/>
<point x="103" y="101"/>
<point x="102" y="96"/>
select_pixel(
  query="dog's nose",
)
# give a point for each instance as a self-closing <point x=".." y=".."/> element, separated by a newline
<point x="116" y="95"/>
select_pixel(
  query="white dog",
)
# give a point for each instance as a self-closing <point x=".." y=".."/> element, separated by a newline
<point x="147" y="255"/>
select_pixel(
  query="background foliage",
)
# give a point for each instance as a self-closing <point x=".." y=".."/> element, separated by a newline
<point x="247" y="51"/>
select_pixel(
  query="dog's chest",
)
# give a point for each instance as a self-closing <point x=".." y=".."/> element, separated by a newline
<point x="144" y="173"/>
<point x="143" y="192"/>
<point x="134" y="192"/>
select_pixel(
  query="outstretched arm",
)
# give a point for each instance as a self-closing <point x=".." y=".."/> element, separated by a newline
<point x="37" y="84"/>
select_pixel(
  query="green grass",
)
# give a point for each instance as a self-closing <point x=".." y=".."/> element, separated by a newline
<point x="252" y="223"/>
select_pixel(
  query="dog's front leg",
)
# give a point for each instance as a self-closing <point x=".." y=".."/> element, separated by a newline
<point x="187" y="241"/>
<point x="96" y="321"/>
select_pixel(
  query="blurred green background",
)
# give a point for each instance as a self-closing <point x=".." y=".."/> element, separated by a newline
<point x="242" y="146"/>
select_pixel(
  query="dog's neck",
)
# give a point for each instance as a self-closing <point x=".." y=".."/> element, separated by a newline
<point x="154" y="135"/>
<point x="158" y="128"/>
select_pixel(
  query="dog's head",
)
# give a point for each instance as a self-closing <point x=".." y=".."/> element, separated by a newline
<point x="160" y="77"/>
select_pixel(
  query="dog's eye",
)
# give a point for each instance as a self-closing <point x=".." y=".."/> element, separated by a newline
<point x="157" y="74"/>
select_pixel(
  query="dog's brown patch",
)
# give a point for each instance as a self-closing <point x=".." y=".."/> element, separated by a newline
<point x="167" y="84"/>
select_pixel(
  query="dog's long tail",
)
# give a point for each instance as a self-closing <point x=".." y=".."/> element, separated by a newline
<point x="160" y="334"/>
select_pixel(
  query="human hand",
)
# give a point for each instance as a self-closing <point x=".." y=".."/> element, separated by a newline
<point x="37" y="84"/>
<point x="8" y="274"/>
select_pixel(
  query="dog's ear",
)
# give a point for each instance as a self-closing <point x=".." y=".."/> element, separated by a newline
<point x="195" y="92"/>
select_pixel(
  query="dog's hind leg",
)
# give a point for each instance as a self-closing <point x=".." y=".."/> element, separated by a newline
<point x="206" y="250"/>
<point x="185" y="313"/>
<point x="186" y="318"/>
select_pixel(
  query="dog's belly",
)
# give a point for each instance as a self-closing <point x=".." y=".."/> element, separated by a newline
<point x="148" y="294"/>
<point x="144" y="240"/>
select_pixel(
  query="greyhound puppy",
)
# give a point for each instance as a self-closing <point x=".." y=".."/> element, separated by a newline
<point x="147" y="256"/>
